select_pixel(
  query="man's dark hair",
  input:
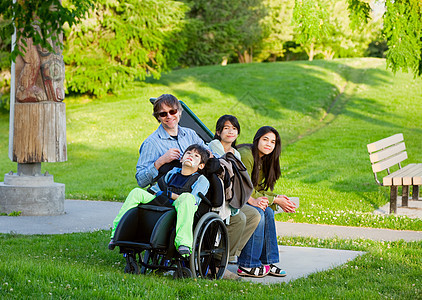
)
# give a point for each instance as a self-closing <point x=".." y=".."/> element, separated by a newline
<point x="205" y="155"/>
<point x="168" y="100"/>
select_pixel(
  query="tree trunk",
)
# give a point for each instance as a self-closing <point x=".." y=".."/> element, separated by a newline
<point x="311" y="52"/>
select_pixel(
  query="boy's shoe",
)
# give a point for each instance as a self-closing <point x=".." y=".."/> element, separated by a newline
<point x="233" y="260"/>
<point x="276" y="271"/>
<point x="183" y="250"/>
<point x="111" y="245"/>
<point x="253" y="272"/>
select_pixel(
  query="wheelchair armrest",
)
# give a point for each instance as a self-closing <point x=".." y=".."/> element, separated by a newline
<point x="204" y="199"/>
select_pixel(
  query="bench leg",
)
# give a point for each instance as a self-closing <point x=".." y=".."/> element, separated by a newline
<point x="415" y="193"/>
<point x="405" y="196"/>
<point x="393" y="199"/>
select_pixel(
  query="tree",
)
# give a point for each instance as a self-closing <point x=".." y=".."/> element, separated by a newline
<point x="121" y="41"/>
<point x="311" y="19"/>
<point x="280" y="30"/>
<point x="40" y="20"/>
<point x="220" y="30"/>
<point x="346" y="39"/>
<point x="24" y="15"/>
<point x="402" y="30"/>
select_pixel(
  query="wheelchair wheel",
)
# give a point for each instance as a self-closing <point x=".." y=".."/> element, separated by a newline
<point x="182" y="273"/>
<point x="211" y="247"/>
<point x="132" y="266"/>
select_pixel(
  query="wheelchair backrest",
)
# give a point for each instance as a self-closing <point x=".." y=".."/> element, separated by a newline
<point x="190" y="120"/>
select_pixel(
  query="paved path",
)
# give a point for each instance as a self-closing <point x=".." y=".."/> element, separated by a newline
<point x="80" y="216"/>
<point x="345" y="232"/>
<point x="86" y="216"/>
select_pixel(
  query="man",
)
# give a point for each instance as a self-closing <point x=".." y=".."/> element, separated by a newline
<point x="165" y="144"/>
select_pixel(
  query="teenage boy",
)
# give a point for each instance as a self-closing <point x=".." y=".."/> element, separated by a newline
<point x="180" y="187"/>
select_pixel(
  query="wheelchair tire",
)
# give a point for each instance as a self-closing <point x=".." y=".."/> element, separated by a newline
<point x="211" y="247"/>
<point x="182" y="273"/>
<point x="132" y="266"/>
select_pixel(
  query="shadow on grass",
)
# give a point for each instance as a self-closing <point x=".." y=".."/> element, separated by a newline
<point x="268" y="89"/>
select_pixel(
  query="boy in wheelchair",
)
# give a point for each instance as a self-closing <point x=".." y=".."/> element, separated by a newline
<point x="180" y="188"/>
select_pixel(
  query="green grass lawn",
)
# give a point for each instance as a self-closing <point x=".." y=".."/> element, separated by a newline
<point x="79" y="266"/>
<point x="326" y="113"/>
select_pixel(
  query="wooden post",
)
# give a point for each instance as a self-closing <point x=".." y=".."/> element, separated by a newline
<point x="415" y="193"/>
<point x="405" y="196"/>
<point x="39" y="132"/>
<point x="393" y="199"/>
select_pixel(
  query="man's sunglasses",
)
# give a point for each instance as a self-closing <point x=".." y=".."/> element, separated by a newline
<point x="163" y="114"/>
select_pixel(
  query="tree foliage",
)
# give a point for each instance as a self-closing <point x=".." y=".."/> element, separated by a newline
<point x="359" y="13"/>
<point x="41" y="20"/>
<point x="311" y="19"/>
<point x="222" y="29"/>
<point x="121" y="41"/>
<point x="403" y="31"/>
<point x="278" y="24"/>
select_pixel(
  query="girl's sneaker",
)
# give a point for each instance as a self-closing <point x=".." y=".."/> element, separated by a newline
<point x="276" y="271"/>
<point x="253" y="272"/>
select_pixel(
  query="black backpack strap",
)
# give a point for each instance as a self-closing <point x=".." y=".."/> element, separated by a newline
<point x="192" y="179"/>
<point x="162" y="184"/>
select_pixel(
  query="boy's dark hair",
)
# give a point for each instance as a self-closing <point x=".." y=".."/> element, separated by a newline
<point x="168" y="100"/>
<point x="205" y="155"/>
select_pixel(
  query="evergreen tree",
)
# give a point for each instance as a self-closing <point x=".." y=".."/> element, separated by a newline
<point x="121" y="41"/>
<point x="221" y="30"/>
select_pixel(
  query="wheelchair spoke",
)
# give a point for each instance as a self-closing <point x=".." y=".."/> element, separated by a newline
<point x="209" y="259"/>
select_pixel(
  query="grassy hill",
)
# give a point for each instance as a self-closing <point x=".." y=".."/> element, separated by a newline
<point x="325" y="111"/>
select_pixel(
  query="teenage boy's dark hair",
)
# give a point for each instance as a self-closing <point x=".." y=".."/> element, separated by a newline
<point x="205" y="155"/>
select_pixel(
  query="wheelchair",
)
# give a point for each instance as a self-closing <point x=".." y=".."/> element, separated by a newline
<point x="145" y="236"/>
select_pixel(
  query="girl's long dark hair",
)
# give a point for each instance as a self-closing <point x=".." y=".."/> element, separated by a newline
<point x="270" y="162"/>
<point x="220" y="125"/>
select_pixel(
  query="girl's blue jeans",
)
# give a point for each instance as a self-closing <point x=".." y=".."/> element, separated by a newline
<point x="262" y="248"/>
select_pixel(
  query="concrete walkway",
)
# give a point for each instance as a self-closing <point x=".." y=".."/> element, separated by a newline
<point x="80" y="216"/>
<point x="86" y="216"/>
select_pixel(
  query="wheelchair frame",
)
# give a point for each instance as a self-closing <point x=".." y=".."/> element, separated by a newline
<point x="153" y="245"/>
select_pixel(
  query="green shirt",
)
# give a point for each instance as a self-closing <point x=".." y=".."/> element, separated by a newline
<point x="247" y="159"/>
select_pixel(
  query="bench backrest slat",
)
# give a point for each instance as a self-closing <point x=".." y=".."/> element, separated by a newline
<point x="385" y="153"/>
<point x="380" y="166"/>
<point x="384" y="143"/>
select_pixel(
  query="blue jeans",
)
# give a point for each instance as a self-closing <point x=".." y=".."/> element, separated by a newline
<point x="262" y="248"/>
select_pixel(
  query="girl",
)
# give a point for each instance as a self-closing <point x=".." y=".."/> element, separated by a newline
<point x="227" y="130"/>
<point x="262" y="160"/>
<point x="244" y="221"/>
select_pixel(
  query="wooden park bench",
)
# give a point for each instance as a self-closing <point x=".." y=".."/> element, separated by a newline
<point x="390" y="152"/>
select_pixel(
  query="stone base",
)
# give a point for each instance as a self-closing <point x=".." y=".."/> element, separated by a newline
<point x="31" y="195"/>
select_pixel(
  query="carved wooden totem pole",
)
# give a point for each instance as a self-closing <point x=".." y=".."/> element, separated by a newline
<point x="37" y="133"/>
